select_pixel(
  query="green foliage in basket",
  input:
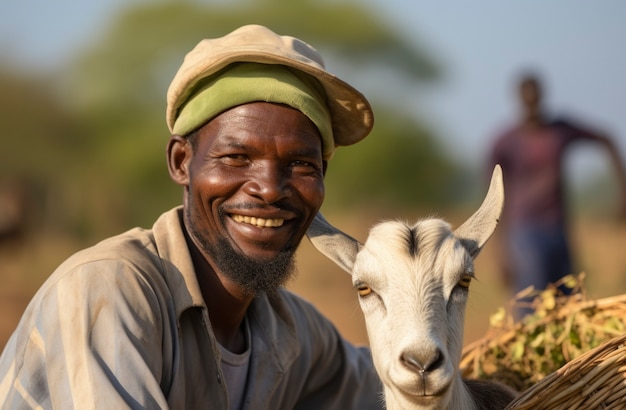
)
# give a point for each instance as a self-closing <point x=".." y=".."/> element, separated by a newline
<point x="561" y="328"/>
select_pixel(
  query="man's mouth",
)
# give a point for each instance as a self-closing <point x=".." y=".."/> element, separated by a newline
<point x="260" y="222"/>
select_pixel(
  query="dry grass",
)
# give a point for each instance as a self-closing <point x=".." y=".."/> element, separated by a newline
<point x="561" y="329"/>
<point x="600" y="244"/>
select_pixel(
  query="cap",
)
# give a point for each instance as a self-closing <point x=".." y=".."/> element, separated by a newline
<point x="351" y="114"/>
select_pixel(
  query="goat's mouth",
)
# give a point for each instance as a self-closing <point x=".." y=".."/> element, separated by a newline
<point x="424" y="389"/>
<point x="416" y="398"/>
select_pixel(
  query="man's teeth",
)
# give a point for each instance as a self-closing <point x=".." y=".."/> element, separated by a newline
<point x="262" y="222"/>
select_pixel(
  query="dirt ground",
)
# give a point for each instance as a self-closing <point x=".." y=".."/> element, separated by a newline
<point x="600" y="246"/>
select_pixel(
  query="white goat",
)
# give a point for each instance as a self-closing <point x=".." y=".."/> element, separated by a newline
<point x="413" y="282"/>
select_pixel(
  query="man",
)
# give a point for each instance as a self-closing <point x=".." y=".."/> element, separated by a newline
<point x="191" y="313"/>
<point x="535" y="219"/>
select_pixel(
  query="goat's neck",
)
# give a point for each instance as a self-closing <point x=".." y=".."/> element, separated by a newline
<point x="461" y="399"/>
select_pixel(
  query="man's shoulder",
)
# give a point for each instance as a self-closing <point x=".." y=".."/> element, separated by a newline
<point x="130" y="260"/>
<point x="304" y="312"/>
<point x="138" y="247"/>
<point x="509" y="132"/>
<point x="296" y="301"/>
<point x="563" y="122"/>
<point x="134" y="247"/>
<point x="570" y="122"/>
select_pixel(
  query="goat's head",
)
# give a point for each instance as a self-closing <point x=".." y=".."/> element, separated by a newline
<point x="413" y="282"/>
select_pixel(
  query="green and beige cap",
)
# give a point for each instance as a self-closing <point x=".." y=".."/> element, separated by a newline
<point x="254" y="64"/>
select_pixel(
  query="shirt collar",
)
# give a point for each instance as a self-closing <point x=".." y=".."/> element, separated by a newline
<point x="178" y="269"/>
<point x="272" y="321"/>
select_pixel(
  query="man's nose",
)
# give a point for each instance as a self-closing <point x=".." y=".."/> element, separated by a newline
<point x="270" y="183"/>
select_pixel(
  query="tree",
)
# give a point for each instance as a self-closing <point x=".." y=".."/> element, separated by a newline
<point x="118" y="90"/>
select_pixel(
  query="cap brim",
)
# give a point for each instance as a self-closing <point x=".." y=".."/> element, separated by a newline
<point x="351" y="114"/>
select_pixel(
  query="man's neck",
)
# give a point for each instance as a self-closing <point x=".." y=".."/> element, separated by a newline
<point x="227" y="303"/>
<point x="533" y="118"/>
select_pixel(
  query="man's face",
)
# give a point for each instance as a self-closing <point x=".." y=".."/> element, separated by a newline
<point x="530" y="95"/>
<point x="255" y="183"/>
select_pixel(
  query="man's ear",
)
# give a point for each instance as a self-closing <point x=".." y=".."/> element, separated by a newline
<point x="179" y="154"/>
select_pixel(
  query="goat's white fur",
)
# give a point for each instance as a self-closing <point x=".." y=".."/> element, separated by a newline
<point x="415" y="312"/>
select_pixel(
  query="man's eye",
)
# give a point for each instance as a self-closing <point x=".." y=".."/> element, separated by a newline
<point x="304" y="165"/>
<point x="234" y="159"/>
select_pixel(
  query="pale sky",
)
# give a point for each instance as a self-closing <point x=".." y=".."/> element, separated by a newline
<point x="580" y="46"/>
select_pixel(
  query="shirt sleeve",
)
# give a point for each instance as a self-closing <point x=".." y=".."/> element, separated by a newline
<point x="92" y="339"/>
<point x="573" y="130"/>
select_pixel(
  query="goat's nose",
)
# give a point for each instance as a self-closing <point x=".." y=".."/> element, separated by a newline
<point x="427" y="363"/>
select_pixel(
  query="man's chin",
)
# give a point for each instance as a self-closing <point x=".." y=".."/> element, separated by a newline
<point x="255" y="274"/>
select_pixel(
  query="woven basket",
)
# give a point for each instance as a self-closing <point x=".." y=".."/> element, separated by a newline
<point x="570" y="354"/>
<point x="594" y="380"/>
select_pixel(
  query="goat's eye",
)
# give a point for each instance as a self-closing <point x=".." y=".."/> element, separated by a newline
<point x="363" y="289"/>
<point x="465" y="281"/>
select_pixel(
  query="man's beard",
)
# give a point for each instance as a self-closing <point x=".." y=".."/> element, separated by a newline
<point x="253" y="275"/>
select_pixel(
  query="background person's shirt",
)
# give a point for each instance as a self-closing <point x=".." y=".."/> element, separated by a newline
<point x="532" y="166"/>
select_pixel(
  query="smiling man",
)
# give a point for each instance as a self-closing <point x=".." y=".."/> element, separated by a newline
<point x="192" y="313"/>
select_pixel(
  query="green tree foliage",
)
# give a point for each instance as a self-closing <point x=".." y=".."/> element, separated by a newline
<point x="116" y="96"/>
<point x="41" y="145"/>
<point x="400" y="164"/>
<point x="37" y="131"/>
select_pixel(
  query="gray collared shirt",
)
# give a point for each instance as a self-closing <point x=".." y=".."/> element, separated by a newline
<point x="123" y="325"/>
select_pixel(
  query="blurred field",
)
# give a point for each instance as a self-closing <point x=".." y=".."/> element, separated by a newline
<point x="600" y="246"/>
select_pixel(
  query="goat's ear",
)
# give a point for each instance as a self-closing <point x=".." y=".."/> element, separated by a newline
<point x="333" y="243"/>
<point x="474" y="232"/>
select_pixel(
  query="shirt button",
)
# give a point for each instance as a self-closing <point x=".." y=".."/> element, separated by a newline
<point x="219" y="378"/>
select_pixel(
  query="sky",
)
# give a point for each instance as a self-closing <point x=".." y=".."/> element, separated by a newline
<point x="579" y="47"/>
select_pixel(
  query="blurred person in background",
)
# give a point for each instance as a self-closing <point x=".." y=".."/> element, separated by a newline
<point x="192" y="313"/>
<point x="534" y="224"/>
